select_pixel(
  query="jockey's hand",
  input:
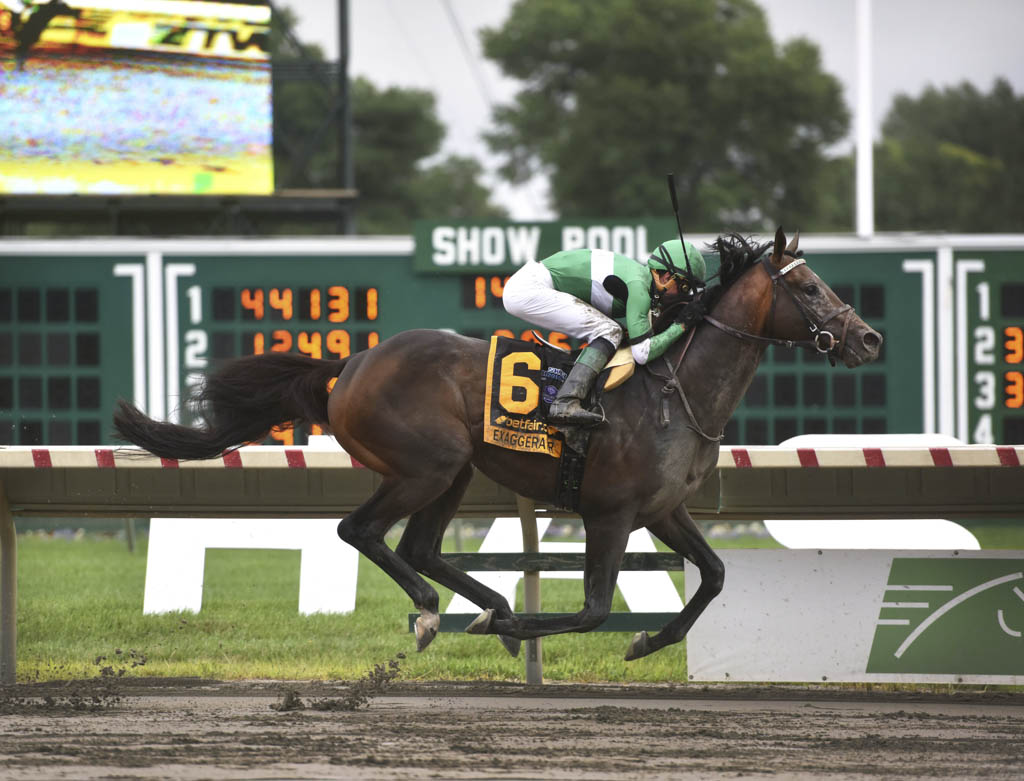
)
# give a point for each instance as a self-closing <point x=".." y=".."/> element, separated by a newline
<point x="690" y="313"/>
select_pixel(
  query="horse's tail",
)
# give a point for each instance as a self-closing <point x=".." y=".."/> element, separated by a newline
<point x="240" y="402"/>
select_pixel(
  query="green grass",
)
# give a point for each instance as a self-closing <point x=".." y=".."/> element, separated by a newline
<point x="80" y="599"/>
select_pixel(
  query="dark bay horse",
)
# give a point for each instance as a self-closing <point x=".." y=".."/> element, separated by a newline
<point x="411" y="409"/>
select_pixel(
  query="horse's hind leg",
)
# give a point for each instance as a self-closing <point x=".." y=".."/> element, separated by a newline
<point x="681" y="534"/>
<point x="364" y="530"/>
<point x="420" y="546"/>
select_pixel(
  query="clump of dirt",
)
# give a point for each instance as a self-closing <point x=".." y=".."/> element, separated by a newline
<point x="359" y="694"/>
<point x="132" y="659"/>
<point x="96" y="694"/>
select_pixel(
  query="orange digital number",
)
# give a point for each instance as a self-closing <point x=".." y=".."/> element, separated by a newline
<point x="479" y="292"/>
<point x="314" y="304"/>
<point x="506" y="332"/>
<point x="1014" y="389"/>
<point x="258" y="344"/>
<point x="337" y="303"/>
<point x="372" y="339"/>
<point x="338" y="342"/>
<point x="282" y="341"/>
<point x="310" y="344"/>
<point x="498" y="286"/>
<point x="286" y="436"/>
<point x="253" y="301"/>
<point x="1014" y="343"/>
<point x="371" y="303"/>
<point x="558" y="339"/>
<point x="281" y="300"/>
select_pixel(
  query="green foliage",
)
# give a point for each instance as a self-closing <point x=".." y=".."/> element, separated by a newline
<point x="394" y="131"/>
<point x="952" y="160"/>
<point x="620" y="92"/>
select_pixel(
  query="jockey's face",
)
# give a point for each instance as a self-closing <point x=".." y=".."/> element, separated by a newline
<point x="670" y="287"/>
<point x="666" y="283"/>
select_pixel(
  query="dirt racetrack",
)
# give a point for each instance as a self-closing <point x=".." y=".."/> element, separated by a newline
<point x="190" y="729"/>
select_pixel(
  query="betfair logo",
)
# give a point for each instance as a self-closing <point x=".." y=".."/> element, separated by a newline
<point x="951" y="616"/>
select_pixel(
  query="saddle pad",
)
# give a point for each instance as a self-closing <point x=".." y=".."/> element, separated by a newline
<point x="520" y="387"/>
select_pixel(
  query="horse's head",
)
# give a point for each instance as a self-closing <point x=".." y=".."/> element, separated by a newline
<point x="807" y="310"/>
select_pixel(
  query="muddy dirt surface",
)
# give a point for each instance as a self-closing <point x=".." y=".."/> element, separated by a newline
<point x="191" y="729"/>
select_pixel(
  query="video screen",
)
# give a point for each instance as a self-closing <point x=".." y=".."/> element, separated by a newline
<point x="135" y="97"/>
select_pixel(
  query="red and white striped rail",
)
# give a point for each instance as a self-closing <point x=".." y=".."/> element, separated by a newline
<point x="259" y="457"/>
<point x="870" y="457"/>
<point x="253" y="457"/>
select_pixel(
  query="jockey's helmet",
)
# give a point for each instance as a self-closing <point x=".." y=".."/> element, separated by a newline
<point x="669" y="256"/>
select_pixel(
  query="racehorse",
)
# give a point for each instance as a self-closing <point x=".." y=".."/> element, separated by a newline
<point x="411" y="409"/>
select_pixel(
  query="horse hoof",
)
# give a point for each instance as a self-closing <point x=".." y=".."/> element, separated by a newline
<point x="511" y="644"/>
<point x="426" y="628"/>
<point x="482" y="623"/>
<point x="640" y="646"/>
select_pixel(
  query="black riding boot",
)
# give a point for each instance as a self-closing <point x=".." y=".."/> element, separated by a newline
<point x="567" y="408"/>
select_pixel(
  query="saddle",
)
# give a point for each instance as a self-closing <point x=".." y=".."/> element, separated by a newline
<point x="618" y="369"/>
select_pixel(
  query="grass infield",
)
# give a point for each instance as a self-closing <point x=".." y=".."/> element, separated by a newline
<point x="80" y="610"/>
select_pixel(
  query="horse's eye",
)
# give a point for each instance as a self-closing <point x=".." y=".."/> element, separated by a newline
<point x="811" y="289"/>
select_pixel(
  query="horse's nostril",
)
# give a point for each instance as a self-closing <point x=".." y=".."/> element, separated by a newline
<point x="872" y="340"/>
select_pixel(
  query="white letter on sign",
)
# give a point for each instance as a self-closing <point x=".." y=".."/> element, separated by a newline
<point x="522" y="243"/>
<point x="573" y="237"/>
<point x="444" y="250"/>
<point x="494" y="246"/>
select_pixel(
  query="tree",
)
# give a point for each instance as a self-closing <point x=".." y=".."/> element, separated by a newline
<point x="620" y="92"/>
<point x="952" y="160"/>
<point x="394" y="130"/>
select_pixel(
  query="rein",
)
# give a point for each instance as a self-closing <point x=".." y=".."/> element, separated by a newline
<point x="822" y="341"/>
<point x="673" y="385"/>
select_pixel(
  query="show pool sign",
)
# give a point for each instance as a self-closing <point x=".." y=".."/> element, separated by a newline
<point x="860" y="616"/>
<point x="503" y="247"/>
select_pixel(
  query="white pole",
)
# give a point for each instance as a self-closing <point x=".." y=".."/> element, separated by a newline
<point x="865" y="152"/>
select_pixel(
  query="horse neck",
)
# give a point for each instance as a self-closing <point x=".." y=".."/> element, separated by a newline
<point x="718" y="368"/>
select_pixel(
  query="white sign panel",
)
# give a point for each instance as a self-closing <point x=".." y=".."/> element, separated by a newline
<point x="867" y="616"/>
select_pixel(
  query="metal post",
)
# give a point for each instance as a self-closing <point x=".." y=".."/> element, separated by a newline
<point x="531" y="587"/>
<point x="8" y="592"/>
<point x="865" y="151"/>
<point x="346" y="176"/>
<point x="129" y="534"/>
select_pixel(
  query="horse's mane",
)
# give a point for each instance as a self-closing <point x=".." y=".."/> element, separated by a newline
<point x="737" y="254"/>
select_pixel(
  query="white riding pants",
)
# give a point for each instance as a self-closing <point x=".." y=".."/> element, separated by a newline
<point x="531" y="295"/>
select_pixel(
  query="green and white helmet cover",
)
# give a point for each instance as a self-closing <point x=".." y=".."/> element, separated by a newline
<point x="674" y="249"/>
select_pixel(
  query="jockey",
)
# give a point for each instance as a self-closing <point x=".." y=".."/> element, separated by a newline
<point x="579" y="292"/>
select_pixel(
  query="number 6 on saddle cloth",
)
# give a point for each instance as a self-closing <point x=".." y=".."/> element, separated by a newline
<point x="523" y="379"/>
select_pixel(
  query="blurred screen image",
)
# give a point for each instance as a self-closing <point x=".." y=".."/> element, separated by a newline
<point x="135" y="97"/>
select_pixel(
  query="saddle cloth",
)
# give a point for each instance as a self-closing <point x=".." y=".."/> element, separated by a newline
<point x="523" y="379"/>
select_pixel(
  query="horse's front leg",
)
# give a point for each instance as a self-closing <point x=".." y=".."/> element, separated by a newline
<point x="606" y="542"/>
<point x="681" y="534"/>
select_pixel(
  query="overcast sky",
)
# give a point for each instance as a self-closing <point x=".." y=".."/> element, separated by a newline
<point x="416" y="43"/>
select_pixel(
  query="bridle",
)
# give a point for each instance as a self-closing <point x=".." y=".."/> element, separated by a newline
<point x="822" y="341"/>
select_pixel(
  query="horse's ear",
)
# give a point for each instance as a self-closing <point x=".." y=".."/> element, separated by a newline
<point x="791" y="249"/>
<point x="780" y="246"/>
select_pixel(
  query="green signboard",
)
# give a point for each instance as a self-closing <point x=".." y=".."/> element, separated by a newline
<point x="502" y="247"/>
<point x="949" y="616"/>
<point x="84" y="323"/>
